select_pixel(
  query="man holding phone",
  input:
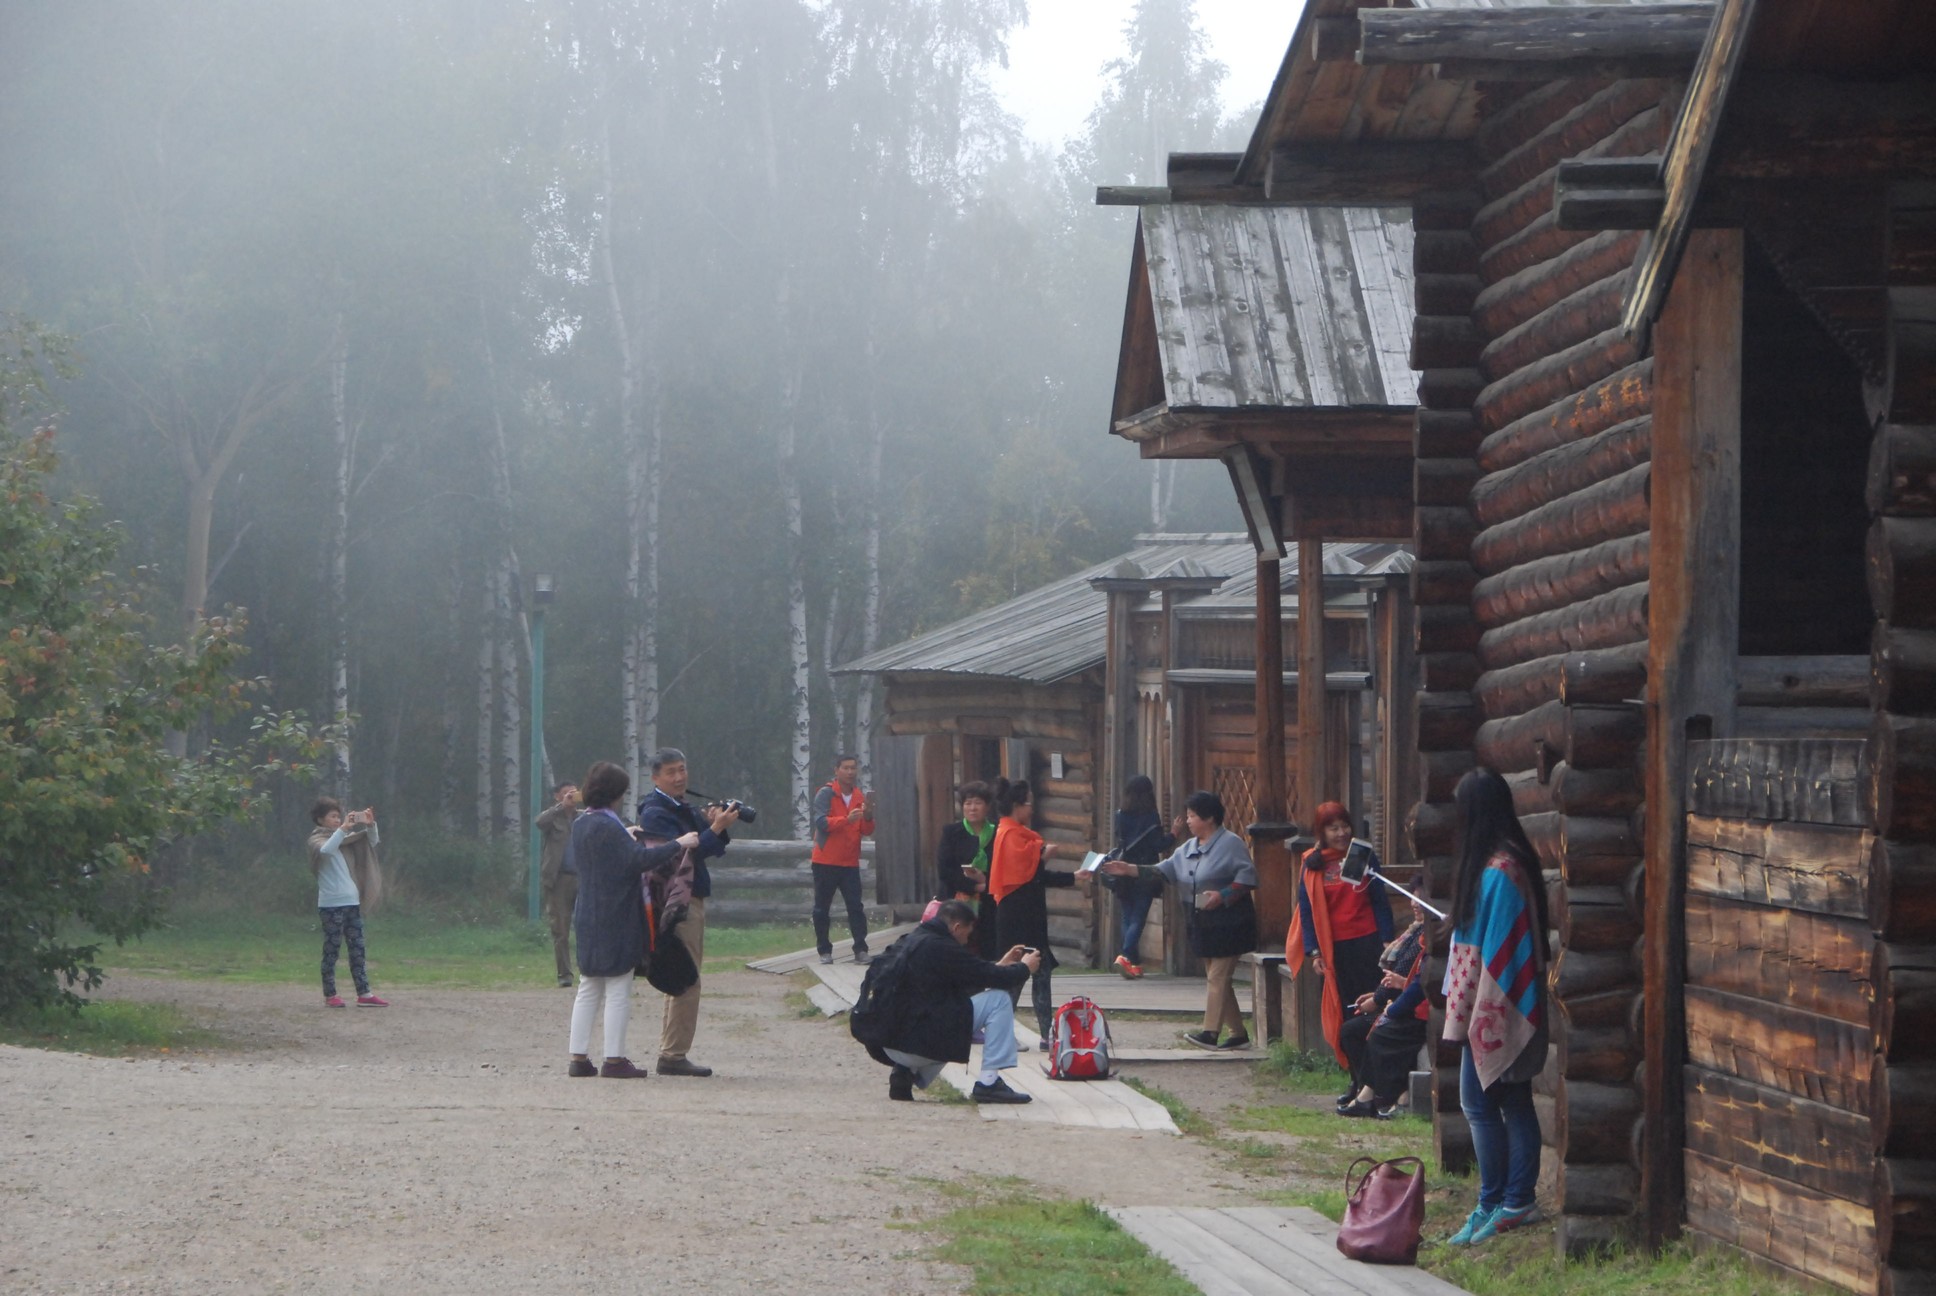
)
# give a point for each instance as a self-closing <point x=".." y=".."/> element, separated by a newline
<point x="842" y="816"/>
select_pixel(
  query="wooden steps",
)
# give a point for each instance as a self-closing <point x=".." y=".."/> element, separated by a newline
<point x="1266" y="1251"/>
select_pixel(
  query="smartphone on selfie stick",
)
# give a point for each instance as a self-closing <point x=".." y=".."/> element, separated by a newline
<point x="1357" y="867"/>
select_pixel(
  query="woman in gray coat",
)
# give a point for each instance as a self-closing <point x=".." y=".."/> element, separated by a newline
<point x="1214" y="871"/>
<point x="609" y="917"/>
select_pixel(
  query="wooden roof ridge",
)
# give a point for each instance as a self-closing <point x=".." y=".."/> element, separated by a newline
<point x="1060" y="629"/>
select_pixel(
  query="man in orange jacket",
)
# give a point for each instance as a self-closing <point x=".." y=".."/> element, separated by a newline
<point x="841" y="817"/>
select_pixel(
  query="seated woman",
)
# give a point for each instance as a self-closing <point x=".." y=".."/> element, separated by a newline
<point x="1383" y="1037"/>
<point x="1216" y="872"/>
<point x="962" y="858"/>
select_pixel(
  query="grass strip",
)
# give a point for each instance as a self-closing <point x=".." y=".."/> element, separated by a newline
<point x="1187" y="1120"/>
<point x="1019" y="1244"/>
<point x="108" y="1028"/>
<point x="406" y="948"/>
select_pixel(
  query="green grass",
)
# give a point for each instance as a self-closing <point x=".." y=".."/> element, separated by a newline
<point x="1525" y="1265"/>
<point x="1304" y="1070"/>
<point x="1186" y="1119"/>
<point x="406" y="948"/>
<point x="110" y="1027"/>
<point x="1018" y="1244"/>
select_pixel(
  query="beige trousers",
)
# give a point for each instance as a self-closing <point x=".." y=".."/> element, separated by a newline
<point x="1220" y="1009"/>
<point x="682" y="1010"/>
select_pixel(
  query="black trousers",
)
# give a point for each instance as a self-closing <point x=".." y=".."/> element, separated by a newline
<point x="827" y="879"/>
<point x="1354" y="963"/>
<point x="1381" y="1058"/>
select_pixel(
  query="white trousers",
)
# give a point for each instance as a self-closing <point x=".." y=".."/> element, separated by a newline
<point x="616" y="991"/>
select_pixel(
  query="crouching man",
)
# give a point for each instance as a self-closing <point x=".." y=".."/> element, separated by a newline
<point x="948" y="997"/>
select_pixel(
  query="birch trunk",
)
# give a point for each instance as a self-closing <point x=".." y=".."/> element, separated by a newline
<point x="800" y="665"/>
<point x="486" y="702"/>
<point x="641" y="432"/>
<point x="800" y="740"/>
<point x="338" y="778"/>
<point x="829" y="649"/>
<point x="453" y="709"/>
<point x="510" y="711"/>
<point x="870" y="615"/>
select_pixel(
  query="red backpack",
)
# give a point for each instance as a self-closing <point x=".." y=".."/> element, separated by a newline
<point x="1078" y="1043"/>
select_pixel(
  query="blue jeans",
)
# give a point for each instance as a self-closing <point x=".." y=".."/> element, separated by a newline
<point x="994" y="1024"/>
<point x="1505" y="1137"/>
<point x="1136" y="907"/>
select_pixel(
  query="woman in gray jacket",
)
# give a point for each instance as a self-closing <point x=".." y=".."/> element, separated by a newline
<point x="609" y="917"/>
<point x="1215" y="872"/>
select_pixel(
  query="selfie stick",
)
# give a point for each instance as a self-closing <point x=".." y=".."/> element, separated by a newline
<point x="1364" y="869"/>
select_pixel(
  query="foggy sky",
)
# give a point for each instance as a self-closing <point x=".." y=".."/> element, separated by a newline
<point x="1055" y="64"/>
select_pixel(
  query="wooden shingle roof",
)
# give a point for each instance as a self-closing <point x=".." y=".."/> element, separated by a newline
<point x="1261" y="311"/>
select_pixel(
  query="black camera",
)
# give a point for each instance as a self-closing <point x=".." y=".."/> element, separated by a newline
<point x="747" y="814"/>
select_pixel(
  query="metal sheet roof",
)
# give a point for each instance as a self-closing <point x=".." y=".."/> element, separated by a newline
<point x="1061" y="629"/>
<point x="1287" y="307"/>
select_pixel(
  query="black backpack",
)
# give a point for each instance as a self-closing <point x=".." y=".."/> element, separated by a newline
<point x="877" y="1012"/>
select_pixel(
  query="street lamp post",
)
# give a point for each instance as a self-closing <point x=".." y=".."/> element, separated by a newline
<point x="540" y="601"/>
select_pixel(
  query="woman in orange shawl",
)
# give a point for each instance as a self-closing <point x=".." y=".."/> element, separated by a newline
<point x="1018" y="883"/>
<point x="1341" y="926"/>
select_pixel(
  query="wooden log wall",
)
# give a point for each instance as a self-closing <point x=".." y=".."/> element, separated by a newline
<point x="1446" y="436"/>
<point x="1532" y="598"/>
<point x="1901" y="895"/>
<point x="1788" y="991"/>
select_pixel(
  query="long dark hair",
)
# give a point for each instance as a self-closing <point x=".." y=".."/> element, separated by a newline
<point x="1009" y="795"/>
<point x="1139" y="795"/>
<point x="1486" y="826"/>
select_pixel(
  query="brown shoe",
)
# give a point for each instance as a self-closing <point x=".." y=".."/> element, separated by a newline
<point x="580" y="1068"/>
<point x="621" y="1069"/>
<point x="682" y="1067"/>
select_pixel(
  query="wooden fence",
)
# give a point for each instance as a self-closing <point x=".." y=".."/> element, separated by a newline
<point x="772" y="881"/>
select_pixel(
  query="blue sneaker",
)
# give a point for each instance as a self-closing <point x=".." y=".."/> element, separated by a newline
<point x="1504" y="1220"/>
<point x="1480" y="1218"/>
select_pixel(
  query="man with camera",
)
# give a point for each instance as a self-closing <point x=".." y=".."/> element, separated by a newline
<point x="842" y="816"/>
<point x="947" y="996"/>
<point x="664" y="815"/>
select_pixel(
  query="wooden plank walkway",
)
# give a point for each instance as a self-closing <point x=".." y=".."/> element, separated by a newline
<point x="787" y="964"/>
<point x="1267" y="1251"/>
<point x="1094" y="1104"/>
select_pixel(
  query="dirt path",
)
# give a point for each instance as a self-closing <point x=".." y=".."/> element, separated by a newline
<point x="437" y="1146"/>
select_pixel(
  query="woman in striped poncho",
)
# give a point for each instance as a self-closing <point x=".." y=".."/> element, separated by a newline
<point x="1495" y="1000"/>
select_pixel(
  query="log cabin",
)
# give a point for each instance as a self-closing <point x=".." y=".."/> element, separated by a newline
<point x="1673" y="502"/>
<point x="1142" y="664"/>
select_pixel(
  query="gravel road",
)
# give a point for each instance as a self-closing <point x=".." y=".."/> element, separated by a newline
<point x="437" y="1146"/>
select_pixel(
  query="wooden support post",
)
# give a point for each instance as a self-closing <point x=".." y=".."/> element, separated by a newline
<point x="1313" y="778"/>
<point x="1268" y="834"/>
<point x="1693" y="637"/>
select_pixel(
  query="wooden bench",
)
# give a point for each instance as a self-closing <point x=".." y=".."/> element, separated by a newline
<point x="1266" y="996"/>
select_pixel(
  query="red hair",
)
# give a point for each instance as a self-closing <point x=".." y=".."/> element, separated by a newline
<point x="1329" y="813"/>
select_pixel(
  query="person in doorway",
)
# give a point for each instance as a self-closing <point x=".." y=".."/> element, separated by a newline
<point x="1020" y="885"/>
<point x="1140" y="839"/>
<point x="1217" y="873"/>
<point x="1382" y="1037"/>
<point x="1341" y="926"/>
<point x="1495" y="1000"/>
<point x="842" y="816"/>
<point x="962" y="859"/>
<point x="664" y="814"/>
<point x="342" y="856"/>
<point x="949" y="995"/>
<point x="557" y="879"/>
<point x="610" y="918"/>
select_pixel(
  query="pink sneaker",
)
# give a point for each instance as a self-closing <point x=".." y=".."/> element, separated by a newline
<point x="334" y="1001"/>
<point x="371" y="1001"/>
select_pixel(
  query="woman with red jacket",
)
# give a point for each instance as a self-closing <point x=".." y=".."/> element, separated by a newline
<point x="1018" y="882"/>
<point x="1341" y="925"/>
